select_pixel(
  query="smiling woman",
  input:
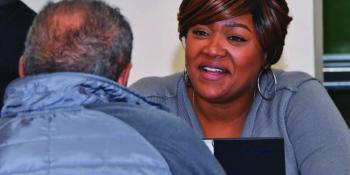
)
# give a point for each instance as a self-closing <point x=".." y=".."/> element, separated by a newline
<point x="229" y="89"/>
<point x="223" y="60"/>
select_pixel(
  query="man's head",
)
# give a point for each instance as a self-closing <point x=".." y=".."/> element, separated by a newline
<point x="79" y="36"/>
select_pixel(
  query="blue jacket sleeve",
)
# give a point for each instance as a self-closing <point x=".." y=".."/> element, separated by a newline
<point x="180" y="146"/>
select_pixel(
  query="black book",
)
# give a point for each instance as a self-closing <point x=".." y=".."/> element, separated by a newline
<point x="249" y="156"/>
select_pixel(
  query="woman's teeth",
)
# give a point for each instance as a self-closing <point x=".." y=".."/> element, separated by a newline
<point x="215" y="70"/>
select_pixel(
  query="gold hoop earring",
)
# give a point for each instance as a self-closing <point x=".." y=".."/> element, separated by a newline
<point x="269" y="70"/>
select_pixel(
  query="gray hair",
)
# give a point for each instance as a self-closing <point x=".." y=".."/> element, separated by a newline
<point x="99" y="41"/>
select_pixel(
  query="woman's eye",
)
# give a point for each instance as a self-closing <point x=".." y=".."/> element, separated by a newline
<point x="237" y="39"/>
<point x="200" y="33"/>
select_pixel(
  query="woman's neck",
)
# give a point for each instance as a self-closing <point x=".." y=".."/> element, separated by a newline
<point x="221" y="120"/>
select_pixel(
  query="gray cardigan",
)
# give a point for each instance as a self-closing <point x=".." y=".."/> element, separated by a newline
<point x="317" y="140"/>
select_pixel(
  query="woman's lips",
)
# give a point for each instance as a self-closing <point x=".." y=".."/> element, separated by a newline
<point x="212" y="72"/>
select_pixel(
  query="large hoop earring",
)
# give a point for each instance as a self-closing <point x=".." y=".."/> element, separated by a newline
<point x="269" y="70"/>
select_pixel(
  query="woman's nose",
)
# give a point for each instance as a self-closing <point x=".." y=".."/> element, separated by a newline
<point x="214" y="47"/>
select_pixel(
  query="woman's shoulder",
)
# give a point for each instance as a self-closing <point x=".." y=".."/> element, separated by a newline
<point x="293" y="80"/>
<point x="158" y="86"/>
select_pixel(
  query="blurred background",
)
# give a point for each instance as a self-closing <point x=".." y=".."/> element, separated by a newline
<point x="336" y="23"/>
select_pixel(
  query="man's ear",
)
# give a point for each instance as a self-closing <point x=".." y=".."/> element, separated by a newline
<point x="124" y="75"/>
<point x="21" y="70"/>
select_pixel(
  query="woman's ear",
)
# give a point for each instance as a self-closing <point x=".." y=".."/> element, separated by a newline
<point x="124" y="75"/>
<point x="21" y="70"/>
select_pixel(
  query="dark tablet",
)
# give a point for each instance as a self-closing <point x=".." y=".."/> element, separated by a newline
<point x="249" y="156"/>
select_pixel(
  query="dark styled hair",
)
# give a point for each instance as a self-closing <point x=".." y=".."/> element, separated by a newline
<point x="97" y="39"/>
<point x="270" y="17"/>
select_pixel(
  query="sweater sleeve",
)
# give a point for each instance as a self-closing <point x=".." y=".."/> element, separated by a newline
<point x="320" y="137"/>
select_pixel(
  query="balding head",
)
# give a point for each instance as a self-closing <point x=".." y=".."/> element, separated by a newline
<point x="79" y="36"/>
<point x="67" y="20"/>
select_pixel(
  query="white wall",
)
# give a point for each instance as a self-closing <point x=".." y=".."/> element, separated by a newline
<point x="36" y="5"/>
<point x="304" y="43"/>
<point x="158" y="52"/>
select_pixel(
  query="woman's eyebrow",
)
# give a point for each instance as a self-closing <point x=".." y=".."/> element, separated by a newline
<point x="236" y="24"/>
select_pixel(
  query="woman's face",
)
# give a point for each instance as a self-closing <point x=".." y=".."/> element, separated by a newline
<point x="223" y="59"/>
